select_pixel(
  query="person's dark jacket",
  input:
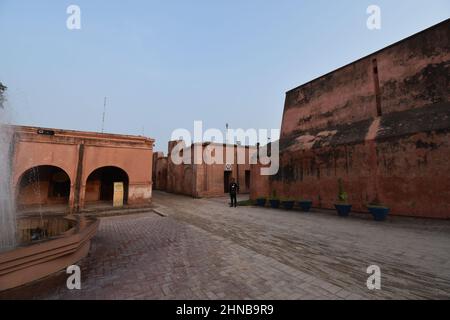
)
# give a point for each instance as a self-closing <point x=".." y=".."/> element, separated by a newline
<point x="234" y="188"/>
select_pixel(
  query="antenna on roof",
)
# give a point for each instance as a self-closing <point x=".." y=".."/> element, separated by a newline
<point x="103" y="117"/>
<point x="226" y="133"/>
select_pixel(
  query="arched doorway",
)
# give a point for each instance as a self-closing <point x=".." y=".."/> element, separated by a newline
<point x="43" y="185"/>
<point x="100" y="185"/>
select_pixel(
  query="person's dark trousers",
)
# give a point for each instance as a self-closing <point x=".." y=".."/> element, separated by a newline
<point x="233" y="200"/>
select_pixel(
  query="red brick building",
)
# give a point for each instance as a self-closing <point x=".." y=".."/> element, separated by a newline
<point x="204" y="180"/>
<point x="74" y="169"/>
<point x="159" y="172"/>
<point x="381" y="124"/>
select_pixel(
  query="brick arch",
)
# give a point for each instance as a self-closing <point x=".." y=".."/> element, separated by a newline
<point x="20" y="171"/>
<point x="105" y="166"/>
<point x="20" y="176"/>
<point x="89" y="168"/>
<point x="42" y="184"/>
<point x="30" y="152"/>
<point x="136" y="162"/>
<point x="98" y="183"/>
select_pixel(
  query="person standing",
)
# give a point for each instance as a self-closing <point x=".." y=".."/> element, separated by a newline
<point x="234" y="189"/>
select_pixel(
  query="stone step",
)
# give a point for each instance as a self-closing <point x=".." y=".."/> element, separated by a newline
<point x="94" y="212"/>
<point x="117" y="211"/>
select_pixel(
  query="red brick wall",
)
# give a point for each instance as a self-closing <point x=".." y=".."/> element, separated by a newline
<point x="332" y="128"/>
<point x="159" y="174"/>
<point x="412" y="73"/>
<point x="343" y="96"/>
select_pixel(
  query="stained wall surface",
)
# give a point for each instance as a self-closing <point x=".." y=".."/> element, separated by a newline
<point x="159" y="171"/>
<point x="381" y="124"/>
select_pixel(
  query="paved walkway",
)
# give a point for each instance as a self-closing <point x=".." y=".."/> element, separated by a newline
<point x="205" y="250"/>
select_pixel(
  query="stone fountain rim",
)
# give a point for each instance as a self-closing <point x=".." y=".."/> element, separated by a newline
<point x="27" y="264"/>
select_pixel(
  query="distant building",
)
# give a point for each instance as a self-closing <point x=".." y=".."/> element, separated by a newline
<point x="159" y="172"/>
<point x="204" y="180"/>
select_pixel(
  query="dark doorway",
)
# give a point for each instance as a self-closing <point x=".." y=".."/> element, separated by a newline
<point x="100" y="184"/>
<point x="59" y="185"/>
<point x="247" y="179"/>
<point x="43" y="185"/>
<point x="226" y="181"/>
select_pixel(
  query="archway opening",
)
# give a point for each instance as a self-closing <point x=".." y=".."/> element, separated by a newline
<point x="43" y="186"/>
<point x="100" y="185"/>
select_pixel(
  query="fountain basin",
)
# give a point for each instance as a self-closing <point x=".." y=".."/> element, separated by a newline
<point x="44" y="257"/>
<point x="33" y="229"/>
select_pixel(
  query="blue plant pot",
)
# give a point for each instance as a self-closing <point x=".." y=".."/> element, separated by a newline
<point x="275" y="204"/>
<point x="305" y="205"/>
<point x="379" y="213"/>
<point x="288" y="205"/>
<point x="261" y="202"/>
<point x="343" y="209"/>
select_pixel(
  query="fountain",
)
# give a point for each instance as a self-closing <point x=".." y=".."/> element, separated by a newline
<point x="34" y="246"/>
<point x="7" y="212"/>
<point x="7" y="216"/>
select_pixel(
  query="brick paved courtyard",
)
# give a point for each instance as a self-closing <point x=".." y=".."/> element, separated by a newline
<point x="204" y="250"/>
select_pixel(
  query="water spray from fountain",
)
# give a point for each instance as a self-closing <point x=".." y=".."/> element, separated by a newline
<point x="7" y="211"/>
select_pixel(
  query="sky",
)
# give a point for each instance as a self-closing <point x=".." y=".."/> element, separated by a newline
<point x="164" y="64"/>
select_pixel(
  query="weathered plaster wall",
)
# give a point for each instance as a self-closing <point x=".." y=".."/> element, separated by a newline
<point x="176" y="174"/>
<point x="411" y="74"/>
<point x="92" y="192"/>
<point x="39" y="150"/>
<point x="65" y="148"/>
<point x="381" y="124"/>
<point x="159" y="171"/>
<point x="344" y="96"/>
<point x="401" y="167"/>
<point x="415" y="73"/>
<point x="135" y="161"/>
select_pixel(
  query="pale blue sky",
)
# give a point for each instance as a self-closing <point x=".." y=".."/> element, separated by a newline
<point x="164" y="64"/>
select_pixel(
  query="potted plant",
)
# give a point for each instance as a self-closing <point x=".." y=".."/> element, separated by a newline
<point x="378" y="210"/>
<point x="343" y="207"/>
<point x="245" y="203"/>
<point x="288" y="204"/>
<point x="274" y="201"/>
<point x="261" y="202"/>
<point x="305" y="205"/>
